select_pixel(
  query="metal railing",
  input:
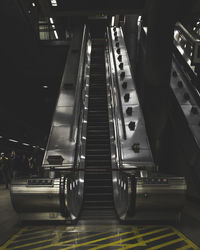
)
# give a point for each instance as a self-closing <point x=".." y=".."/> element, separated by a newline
<point x="78" y="90"/>
<point x="191" y="45"/>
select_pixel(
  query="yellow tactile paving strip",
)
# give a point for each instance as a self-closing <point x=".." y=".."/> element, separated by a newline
<point x="149" y="237"/>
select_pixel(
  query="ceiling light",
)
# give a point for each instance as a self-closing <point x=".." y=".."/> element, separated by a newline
<point x="56" y="34"/>
<point x="51" y="20"/>
<point x="54" y="3"/>
<point x="45" y="86"/>
<point x="12" y="140"/>
<point x="33" y="4"/>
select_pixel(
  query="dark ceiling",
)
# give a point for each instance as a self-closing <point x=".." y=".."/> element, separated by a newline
<point x="26" y="66"/>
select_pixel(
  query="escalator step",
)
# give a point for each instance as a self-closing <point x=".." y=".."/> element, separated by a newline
<point x="98" y="188"/>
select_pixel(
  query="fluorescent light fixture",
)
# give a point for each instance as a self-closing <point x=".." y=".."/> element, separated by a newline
<point x="33" y="4"/>
<point x="1" y="136"/>
<point x="45" y="86"/>
<point x="25" y="144"/>
<point x="54" y="3"/>
<point x="55" y="33"/>
<point x="51" y="20"/>
<point x="12" y="140"/>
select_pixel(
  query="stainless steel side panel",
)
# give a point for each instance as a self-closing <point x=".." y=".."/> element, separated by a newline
<point x="163" y="198"/>
<point x="129" y="157"/>
<point x="60" y="143"/>
<point x="35" y="199"/>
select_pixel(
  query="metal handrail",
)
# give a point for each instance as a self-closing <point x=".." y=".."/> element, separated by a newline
<point x="191" y="38"/>
<point x="116" y="128"/>
<point x="76" y="109"/>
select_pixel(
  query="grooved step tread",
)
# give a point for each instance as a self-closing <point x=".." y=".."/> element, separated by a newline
<point x="98" y="190"/>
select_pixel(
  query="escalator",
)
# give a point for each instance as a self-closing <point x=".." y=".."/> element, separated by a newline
<point x="98" y="165"/>
<point x="98" y="192"/>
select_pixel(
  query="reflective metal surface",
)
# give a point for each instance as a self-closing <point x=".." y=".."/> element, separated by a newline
<point x="187" y="44"/>
<point x="36" y="201"/>
<point x="140" y="194"/>
<point x="185" y="98"/>
<point x="60" y="198"/>
<point x="159" y="196"/>
<point x="137" y="134"/>
<point x="64" y="123"/>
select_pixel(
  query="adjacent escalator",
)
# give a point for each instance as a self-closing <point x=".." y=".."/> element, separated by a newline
<point x="98" y="191"/>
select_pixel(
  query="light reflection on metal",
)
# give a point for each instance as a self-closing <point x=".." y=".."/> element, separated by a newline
<point x="81" y="180"/>
<point x="113" y="21"/>
<point x="115" y="179"/>
<point x="139" y="20"/>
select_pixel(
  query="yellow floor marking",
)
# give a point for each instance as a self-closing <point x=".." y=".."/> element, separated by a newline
<point x="165" y="244"/>
<point x="119" y="241"/>
<point x="160" y="237"/>
<point x="68" y="241"/>
<point x="57" y="237"/>
<point x="31" y="244"/>
<point x="57" y="234"/>
<point x="36" y="232"/>
<point x="137" y="232"/>
<point x="35" y="238"/>
<point x="97" y="240"/>
<point x="154" y="239"/>
<point x="189" y="242"/>
<point x="13" y="238"/>
<point x="183" y="248"/>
